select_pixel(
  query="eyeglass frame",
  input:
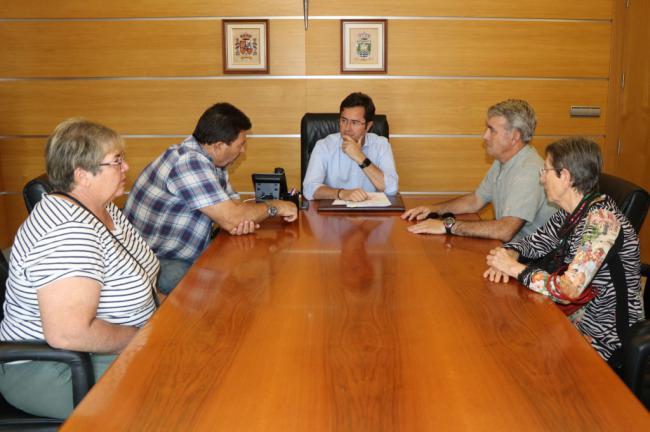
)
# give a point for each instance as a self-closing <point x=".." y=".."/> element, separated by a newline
<point x="542" y="171"/>
<point x="354" y="123"/>
<point x="117" y="162"/>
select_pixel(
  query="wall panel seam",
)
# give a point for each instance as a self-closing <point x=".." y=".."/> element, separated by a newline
<point x="281" y="136"/>
<point x="314" y="18"/>
<point x="304" y="77"/>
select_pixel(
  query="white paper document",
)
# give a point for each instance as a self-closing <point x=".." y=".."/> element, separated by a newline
<point x="375" y="199"/>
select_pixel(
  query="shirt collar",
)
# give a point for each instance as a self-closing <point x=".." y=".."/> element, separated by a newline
<point x="192" y="143"/>
<point x="525" y="150"/>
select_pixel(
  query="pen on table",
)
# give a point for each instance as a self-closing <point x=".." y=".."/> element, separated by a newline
<point x="293" y="191"/>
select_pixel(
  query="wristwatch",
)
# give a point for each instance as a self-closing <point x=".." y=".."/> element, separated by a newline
<point x="272" y="210"/>
<point x="449" y="222"/>
<point x="366" y="163"/>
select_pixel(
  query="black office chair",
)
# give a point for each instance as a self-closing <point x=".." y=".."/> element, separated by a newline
<point x="34" y="190"/>
<point x="316" y="126"/>
<point x="636" y="361"/>
<point x="633" y="200"/>
<point x="80" y="365"/>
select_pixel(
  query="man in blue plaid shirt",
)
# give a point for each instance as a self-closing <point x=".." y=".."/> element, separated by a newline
<point x="177" y="198"/>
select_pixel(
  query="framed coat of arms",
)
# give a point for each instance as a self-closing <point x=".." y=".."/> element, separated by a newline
<point x="245" y="46"/>
<point x="363" y="46"/>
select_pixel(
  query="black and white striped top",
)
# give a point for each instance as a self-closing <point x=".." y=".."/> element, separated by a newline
<point x="61" y="240"/>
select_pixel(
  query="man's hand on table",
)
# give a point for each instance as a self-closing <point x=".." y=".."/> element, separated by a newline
<point x="429" y="226"/>
<point x="244" y="227"/>
<point x="417" y="213"/>
<point x="355" y="195"/>
<point x="287" y="209"/>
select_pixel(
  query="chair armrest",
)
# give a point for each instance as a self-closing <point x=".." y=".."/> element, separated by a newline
<point x="81" y="368"/>
<point x="635" y="355"/>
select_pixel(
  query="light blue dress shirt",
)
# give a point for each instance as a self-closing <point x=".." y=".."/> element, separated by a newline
<point x="329" y="166"/>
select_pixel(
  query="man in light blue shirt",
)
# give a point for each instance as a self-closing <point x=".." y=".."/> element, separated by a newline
<point x="348" y="164"/>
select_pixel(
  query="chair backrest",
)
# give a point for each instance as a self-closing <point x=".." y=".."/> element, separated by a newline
<point x="316" y="126"/>
<point x="34" y="190"/>
<point x="636" y="356"/>
<point x="633" y="200"/>
<point x="4" y="275"/>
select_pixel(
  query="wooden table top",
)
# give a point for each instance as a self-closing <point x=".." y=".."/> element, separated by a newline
<point x="347" y="322"/>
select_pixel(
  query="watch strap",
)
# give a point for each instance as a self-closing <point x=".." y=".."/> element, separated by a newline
<point x="271" y="210"/>
<point x="449" y="223"/>
<point x="366" y="163"/>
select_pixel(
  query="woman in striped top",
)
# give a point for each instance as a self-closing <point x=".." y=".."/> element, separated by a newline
<point x="586" y="257"/>
<point x="81" y="277"/>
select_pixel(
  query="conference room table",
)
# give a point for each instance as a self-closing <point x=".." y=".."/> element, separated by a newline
<point x="348" y="322"/>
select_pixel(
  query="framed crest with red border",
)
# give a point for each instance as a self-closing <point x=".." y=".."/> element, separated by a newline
<point x="363" y="46"/>
<point x="246" y="46"/>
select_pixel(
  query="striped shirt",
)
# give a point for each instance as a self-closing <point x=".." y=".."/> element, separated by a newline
<point x="61" y="240"/>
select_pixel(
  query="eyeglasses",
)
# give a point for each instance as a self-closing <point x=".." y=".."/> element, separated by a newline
<point x="355" y="123"/>
<point x="542" y="171"/>
<point x="117" y="162"/>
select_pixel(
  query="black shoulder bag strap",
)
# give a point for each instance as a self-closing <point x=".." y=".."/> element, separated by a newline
<point x="617" y="274"/>
<point x="156" y="300"/>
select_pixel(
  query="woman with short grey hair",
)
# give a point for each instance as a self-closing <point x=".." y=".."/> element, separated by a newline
<point x="80" y="276"/>
<point x="586" y="257"/>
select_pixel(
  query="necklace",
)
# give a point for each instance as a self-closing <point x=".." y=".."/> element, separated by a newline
<point x="569" y="226"/>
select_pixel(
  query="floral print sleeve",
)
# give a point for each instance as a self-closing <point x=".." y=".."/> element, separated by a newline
<point x="599" y="234"/>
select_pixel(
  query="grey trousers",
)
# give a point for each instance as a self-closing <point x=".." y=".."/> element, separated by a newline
<point x="44" y="388"/>
<point x="171" y="273"/>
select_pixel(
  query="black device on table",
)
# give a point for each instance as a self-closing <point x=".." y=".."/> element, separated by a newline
<point x="274" y="186"/>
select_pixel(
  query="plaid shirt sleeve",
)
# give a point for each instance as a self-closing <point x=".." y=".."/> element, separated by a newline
<point x="232" y="193"/>
<point x="194" y="179"/>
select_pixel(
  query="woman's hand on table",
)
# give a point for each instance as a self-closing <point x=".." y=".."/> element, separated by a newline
<point x="502" y="264"/>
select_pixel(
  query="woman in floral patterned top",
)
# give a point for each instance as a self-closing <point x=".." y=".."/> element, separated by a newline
<point x="586" y="257"/>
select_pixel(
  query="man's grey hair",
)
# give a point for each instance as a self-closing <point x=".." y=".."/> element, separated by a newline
<point x="519" y="114"/>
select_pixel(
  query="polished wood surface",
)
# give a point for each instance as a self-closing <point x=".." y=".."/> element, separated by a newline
<point x="124" y="48"/>
<point x="413" y="106"/>
<point x="150" y="67"/>
<point x="628" y="137"/>
<point x="193" y="48"/>
<point x="348" y="322"/>
<point x="585" y="9"/>
<point x="466" y="48"/>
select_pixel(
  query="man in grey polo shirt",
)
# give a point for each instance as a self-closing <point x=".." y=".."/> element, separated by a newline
<point x="511" y="185"/>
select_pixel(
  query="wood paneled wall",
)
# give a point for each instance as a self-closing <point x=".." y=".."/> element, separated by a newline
<point x="149" y="68"/>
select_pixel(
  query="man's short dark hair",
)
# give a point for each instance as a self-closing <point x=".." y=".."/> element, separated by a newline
<point x="221" y="122"/>
<point x="581" y="157"/>
<point x="362" y="100"/>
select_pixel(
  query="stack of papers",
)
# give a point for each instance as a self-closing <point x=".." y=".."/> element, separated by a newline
<point x="375" y="199"/>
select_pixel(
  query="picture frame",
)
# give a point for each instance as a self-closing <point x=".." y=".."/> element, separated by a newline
<point x="245" y="46"/>
<point x="363" y="46"/>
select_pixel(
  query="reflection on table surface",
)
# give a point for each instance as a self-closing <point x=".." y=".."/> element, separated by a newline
<point x="349" y="322"/>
